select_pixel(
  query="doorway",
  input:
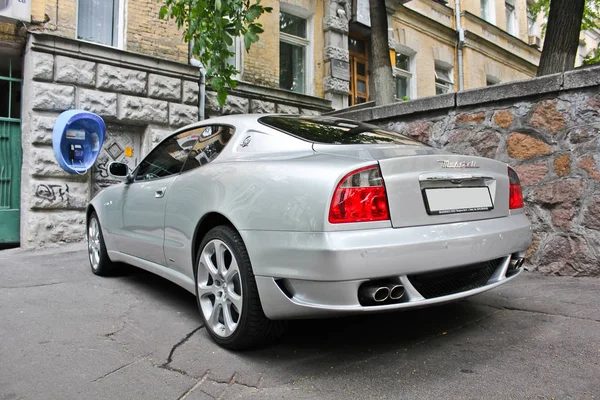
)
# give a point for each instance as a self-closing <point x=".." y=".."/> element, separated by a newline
<point x="10" y="150"/>
<point x="359" y="70"/>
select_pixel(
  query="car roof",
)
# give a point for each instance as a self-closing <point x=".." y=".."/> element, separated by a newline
<point x="229" y="119"/>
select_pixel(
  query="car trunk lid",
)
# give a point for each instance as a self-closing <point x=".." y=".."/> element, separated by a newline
<point x="426" y="186"/>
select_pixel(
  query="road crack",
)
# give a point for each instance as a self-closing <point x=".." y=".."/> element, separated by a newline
<point x="181" y="342"/>
<point x="121" y="367"/>
<point x="194" y="387"/>
<point x="31" y="286"/>
<point x="166" y="365"/>
<point x="539" y="312"/>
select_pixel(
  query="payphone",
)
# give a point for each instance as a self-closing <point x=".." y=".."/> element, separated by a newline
<point x="77" y="138"/>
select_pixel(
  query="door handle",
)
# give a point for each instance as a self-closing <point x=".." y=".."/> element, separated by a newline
<point x="160" y="193"/>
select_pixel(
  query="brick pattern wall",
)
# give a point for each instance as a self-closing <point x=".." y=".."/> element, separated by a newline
<point x="144" y="32"/>
<point x="548" y="129"/>
<point x="149" y="35"/>
<point x="261" y="65"/>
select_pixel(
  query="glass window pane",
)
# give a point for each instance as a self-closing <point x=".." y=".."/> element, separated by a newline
<point x="292" y="25"/>
<point x="291" y="67"/>
<point x="361" y="69"/>
<point x="232" y="60"/>
<point x="357" y="45"/>
<point x="361" y="86"/>
<point x="209" y="145"/>
<point x="168" y="157"/>
<point x="402" y="61"/>
<point x="440" y="89"/>
<point x="335" y="130"/>
<point x="401" y="87"/>
<point x="484" y="7"/>
<point x="15" y="108"/>
<point x="97" y="21"/>
<point x="442" y="74"/>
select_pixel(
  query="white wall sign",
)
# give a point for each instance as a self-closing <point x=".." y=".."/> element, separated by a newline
<point x="15" y="10"/>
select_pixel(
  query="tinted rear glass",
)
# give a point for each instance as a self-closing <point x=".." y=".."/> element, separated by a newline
<point x="330" y="130"/>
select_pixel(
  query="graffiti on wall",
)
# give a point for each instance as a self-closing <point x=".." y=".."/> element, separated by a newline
<point x="118" y="138"/>
<point x="52" y="192"/>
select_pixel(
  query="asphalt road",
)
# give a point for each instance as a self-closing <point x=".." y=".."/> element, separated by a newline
<point x="67" y="334"/>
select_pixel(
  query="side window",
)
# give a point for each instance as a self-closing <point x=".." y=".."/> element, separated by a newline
<point x="209" y="145"/>
<point x="169" y="156"/>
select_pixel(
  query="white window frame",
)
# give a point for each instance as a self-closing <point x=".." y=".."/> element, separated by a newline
<point x="410" y="74"/>
<point x="121" y="26"/>
<point x="307" y="43"/>
<point x="515" y="25"/>
<point x="446" y="85"/>
<point x="581" y="53"/>
<point x="239" y="58"/>
<point x="488" y="13"/>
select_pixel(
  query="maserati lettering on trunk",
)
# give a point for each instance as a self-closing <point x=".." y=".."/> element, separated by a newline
<point x="458" y="164"/>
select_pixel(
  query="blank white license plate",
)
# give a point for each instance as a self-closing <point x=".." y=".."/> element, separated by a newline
<point x="458" y="200"/>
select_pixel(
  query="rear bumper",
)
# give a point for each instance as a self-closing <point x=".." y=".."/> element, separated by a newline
<point x="327" y="268"/>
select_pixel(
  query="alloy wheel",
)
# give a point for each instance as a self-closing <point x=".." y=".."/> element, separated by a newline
<point x="219" y="288"/>
<point x="94" y="243"/>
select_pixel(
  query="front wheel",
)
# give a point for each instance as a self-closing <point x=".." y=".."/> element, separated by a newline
<point x="227" y="294"/>
<point x="99" y="260"/>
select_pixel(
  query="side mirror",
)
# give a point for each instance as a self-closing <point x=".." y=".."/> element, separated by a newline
<point x="119" y="171"/>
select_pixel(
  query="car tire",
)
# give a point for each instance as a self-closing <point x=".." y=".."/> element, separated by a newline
<point x="226" y="282"/>
<point x="99" y="261"/>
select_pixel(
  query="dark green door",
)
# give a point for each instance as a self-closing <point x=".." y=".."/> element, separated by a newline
<point x="10" y="153"/>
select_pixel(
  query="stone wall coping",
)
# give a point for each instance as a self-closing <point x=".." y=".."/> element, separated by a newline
<point x="47" y="43"/>
<point x="424" y="104"/>
<point x="582" y="77"/>
<point x="586" y="77"/>
<point x="264" y="93"/>
<point x="510" y="90"/>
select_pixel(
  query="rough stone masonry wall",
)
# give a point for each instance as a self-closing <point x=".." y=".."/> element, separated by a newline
<point x="548" y="129"/>
<point x="141" y="99"/>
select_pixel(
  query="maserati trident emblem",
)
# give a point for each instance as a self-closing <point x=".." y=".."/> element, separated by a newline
<point x="458" y="164"/>
<point x="246" y="141"/>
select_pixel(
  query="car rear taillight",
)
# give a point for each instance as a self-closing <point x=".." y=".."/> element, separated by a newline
<point x="360" y="197"/>
<point x="516" y="194"/>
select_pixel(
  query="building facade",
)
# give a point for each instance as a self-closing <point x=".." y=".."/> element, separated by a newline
<point x="117" y="59"/>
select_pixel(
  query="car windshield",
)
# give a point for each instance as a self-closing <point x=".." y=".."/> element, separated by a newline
<point x="328" y="130"/>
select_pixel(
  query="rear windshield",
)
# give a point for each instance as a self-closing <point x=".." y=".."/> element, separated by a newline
<point x="329" y="130"/>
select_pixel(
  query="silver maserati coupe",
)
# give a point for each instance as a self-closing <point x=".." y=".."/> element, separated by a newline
<point x="270" y="217"/>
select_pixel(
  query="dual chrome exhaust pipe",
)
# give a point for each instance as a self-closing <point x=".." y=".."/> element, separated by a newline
<point x="516" y="263"/>
<point x="372" y="293"/>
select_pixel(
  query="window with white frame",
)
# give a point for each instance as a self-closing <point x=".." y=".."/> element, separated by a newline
<point x="530" y="24"/>
<point x="294" y="52"/>
<point x="236" y="59"/>
<point x="581" y="53"/>
<point x="443" y="80"/>
<point x="403" y="76"/>
<point x="487" y="11"/>
<point x="511" y="17"/>
<point x="100" y="21"/>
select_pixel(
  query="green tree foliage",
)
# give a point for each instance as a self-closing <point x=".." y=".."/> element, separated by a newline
<point x="591" y="13"/>
<point x="212" y="26"/>
<point x="593" y="57"/>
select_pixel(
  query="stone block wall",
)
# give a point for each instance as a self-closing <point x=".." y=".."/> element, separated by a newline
<point x="548" y="129"/>
<point x="142" y="99"/>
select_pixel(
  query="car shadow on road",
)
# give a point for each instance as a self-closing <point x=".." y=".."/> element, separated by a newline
<point x="368" y="331"/>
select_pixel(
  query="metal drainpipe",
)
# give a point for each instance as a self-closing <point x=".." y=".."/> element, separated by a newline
<point x="201" y="87"/>
<point x="201" y="83"/>
<point x="201" y="94"/>
<point x="461" y="42"/>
